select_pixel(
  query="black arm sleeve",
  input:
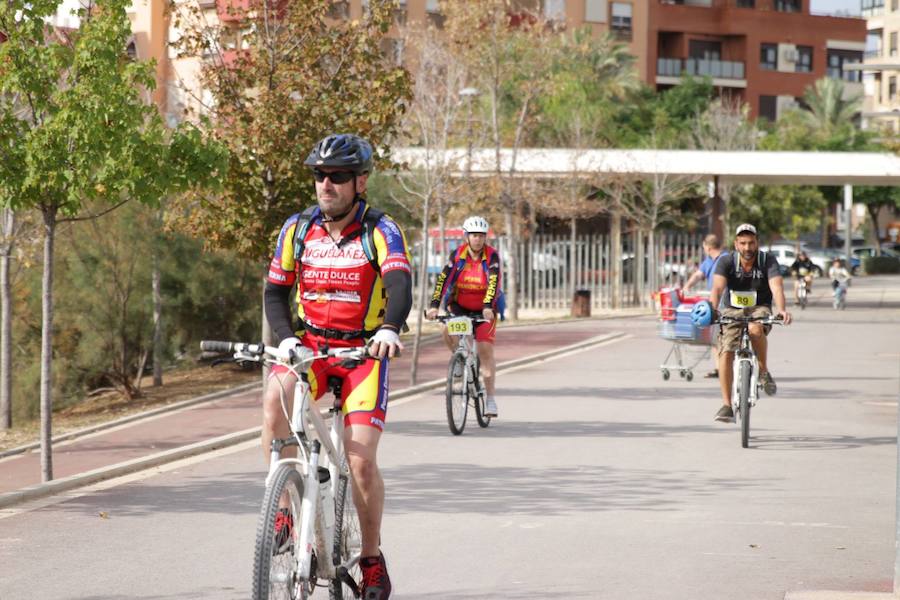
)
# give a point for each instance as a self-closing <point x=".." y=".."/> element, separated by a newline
<point x="439" y="284"/>
<point x="490" y="297"/>
<point x="398" y="287"/>
<point x="277" y="301"/>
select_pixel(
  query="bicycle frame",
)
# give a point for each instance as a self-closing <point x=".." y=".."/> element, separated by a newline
<point x="312" y="433"/>
<point x="744" y="354"/>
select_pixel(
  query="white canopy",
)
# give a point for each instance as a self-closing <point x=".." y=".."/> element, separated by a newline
<point x="813" y="168"/>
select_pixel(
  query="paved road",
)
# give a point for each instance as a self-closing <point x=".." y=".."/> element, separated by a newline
<point x="599" y="481"/>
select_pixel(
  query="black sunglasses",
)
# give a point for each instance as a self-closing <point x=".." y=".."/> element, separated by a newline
<point x="335" y="177"/>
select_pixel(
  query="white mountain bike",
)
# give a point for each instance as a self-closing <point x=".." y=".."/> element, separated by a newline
<point x="745" y="383"/>
<point x="322" y="540"/>
<point x="464" y="385"/>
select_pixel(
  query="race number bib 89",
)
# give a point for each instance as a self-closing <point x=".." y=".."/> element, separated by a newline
<point x="743" y="299"/>
<point x="459" y="326"/>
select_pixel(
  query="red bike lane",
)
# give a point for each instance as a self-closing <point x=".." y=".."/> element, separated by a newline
<point x="242" y="411"/>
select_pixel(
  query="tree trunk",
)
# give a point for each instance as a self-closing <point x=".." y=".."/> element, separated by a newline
<point x="423" y="286"/>
<point x="873" y="214"/>
<point x="157" y="322"/>
<point x="49" y="213"/>
<point x="6" y="321"/>
<point x="615" y="258"/>
<point x="573" y="246"/>
<point x="512" y="277"/>
<point x="639" y="270"/>
<point x="826" y="225"/>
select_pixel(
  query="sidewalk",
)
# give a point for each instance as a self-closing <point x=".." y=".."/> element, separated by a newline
<point x="232" y="419"/>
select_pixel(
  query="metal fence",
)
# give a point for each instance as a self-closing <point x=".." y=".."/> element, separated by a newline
<point x="552" y="268"/>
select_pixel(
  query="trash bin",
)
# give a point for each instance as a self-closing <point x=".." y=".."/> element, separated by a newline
<point x="581" y="303"/>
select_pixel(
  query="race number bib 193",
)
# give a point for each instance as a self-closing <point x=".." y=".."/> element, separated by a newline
<point x="743" y="299"/>
<point x="459" y="326"/>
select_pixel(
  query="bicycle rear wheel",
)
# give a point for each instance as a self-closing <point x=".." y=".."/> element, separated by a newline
<point x="275" y="560"/>
<point x="457" y="394"/>
<point x="347" y="540"/>
<point x="479" y="397"/>
<point x="744" y="397"/>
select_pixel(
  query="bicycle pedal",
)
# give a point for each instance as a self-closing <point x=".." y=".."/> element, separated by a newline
<point x="347" y="580"/>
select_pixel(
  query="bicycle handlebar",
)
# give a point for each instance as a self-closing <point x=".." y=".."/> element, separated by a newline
<point x="260" y="352"/>
<point x="766" y="320"/>
<point x="445" y="318"/>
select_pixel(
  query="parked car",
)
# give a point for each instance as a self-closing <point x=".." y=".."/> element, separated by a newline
<point x="823" y="257"/>
<point x="863" y="252"/>
<point x="786" y="253"/>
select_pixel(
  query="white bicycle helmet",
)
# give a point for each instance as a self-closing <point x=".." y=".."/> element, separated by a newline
<point x="475" y="225"/>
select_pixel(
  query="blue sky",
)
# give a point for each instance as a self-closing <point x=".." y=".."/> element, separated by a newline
<point x="832" y="6"/>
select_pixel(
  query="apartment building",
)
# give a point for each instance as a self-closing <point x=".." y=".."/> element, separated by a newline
<point x="881" y="65"/>
<point x="762" y="52"/>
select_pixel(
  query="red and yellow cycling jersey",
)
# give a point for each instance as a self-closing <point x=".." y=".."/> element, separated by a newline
<point x="337" y="286"/>
<point x="473" y="280"/>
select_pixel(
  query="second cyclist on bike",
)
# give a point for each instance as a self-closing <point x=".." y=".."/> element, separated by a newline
<point x="752" y="279"/>
<point x="802" y="269"/>
<point x="470" y="285"/>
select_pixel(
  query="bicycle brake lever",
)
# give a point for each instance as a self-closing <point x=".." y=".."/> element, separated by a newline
<point x="220" y="361"/>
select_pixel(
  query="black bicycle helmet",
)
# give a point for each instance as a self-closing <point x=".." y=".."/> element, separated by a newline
<point x="342" y="150"/>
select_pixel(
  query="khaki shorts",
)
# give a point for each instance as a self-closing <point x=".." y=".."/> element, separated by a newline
<point x="730" y="335"/>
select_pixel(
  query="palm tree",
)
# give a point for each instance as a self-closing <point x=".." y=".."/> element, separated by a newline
<point x="829" y="109"/>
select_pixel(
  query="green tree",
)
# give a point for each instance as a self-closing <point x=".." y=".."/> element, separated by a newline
<point x="299" y="78"/>
<point x="89" y="141"/>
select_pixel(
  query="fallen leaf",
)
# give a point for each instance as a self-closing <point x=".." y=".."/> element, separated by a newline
<point x="754" y="546"/>
<point x="840" y="547"/>
<point x="104" y="515"/>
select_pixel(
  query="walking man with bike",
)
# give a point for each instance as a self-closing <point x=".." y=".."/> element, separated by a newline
<point x="470" y="285"/>
<point x="351" y="267"/>
<point x="753" y="282"/>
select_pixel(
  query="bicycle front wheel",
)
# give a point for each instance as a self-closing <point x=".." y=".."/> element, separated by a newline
<point x="275" y="558"/>
<point x="457" y="394"/>
<point x="744" y="398"/>
<point x="347" y="541"/>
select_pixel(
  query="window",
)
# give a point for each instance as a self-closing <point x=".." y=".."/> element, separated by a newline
<point x="768" y="56"/>
<point x="595" y="11"/>
<point x="787" y="5"/>
<point x="705" y="50"/>
<point x="894" y="5"/>
<point x="339" y="10"/>
<point x="745" y="3"/>
<point x="555" y="10"/>
<point x="804" y="59"/>
<point x="892" y="89"/>
<point x="871" y="8"/>
<point x="836" y="60"/>
<point x="620" y="24"/>
<point x="893" y="46"/>
<point x="767" y="108"/>
<point x="433" y="12"/>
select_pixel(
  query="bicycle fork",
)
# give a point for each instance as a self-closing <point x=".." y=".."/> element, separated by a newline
<point x="750" y="359"/>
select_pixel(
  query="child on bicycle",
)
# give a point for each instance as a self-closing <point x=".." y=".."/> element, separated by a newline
<point x="840" y="280"/>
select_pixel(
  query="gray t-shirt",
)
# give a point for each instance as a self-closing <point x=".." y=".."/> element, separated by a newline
<point x="756" y="279"/>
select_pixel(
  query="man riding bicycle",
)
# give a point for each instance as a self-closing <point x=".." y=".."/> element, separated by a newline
<point x="802" y="268"/>
<point x="755" y="277"/>
<point x="470" y="282"/>
<point x="351" y="266"/>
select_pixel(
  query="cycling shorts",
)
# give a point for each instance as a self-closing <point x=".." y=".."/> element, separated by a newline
<point x="730" y="334"/>
<point x="484" y="331"/>
<point x="364" y="388"/>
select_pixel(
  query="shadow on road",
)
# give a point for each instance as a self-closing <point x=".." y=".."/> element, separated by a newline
<point x="522" y="429"/>
<point x="817" y="442"/>
<point x="461" y="487"/>
<point x="239" y="494"/>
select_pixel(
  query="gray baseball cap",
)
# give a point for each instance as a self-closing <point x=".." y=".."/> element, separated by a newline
<point x="745" y="228"/>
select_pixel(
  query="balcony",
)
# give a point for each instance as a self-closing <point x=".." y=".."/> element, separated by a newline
<point x="717" y="69"/>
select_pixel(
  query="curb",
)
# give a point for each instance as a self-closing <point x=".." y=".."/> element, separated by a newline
<point x="131" y="418"/>
<point x="41" y="490"/>
<point x="100" y="474"/>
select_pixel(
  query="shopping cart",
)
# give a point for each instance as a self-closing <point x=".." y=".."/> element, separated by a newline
<point x="690" y="344"/>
